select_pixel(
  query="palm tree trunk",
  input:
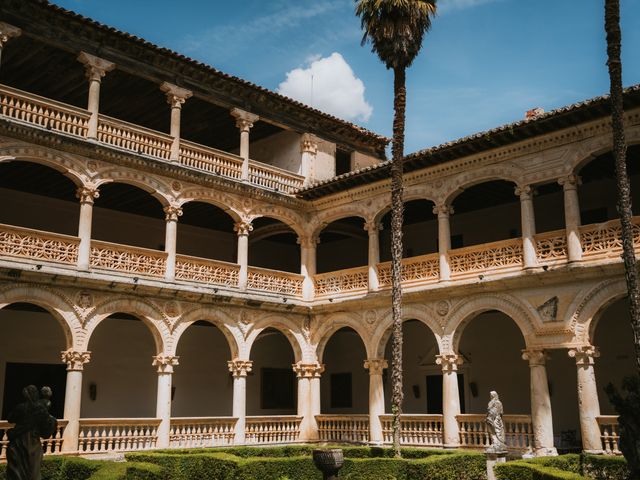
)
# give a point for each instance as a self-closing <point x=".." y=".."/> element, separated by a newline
<point x="612" y="27"/>
<point x="397" y="207"/>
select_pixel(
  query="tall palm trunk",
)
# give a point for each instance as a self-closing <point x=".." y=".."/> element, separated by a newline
<point x="397" y="207"/>
<point x="612" y="27"/>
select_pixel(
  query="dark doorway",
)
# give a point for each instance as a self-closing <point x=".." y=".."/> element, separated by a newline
<point x="19" y="375"/>
<point x="434" y="394"/>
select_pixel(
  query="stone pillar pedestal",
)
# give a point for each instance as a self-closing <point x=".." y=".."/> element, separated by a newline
<point x="176" y="96"/>
<point x="165" y="366"/>
<point x="572" y="216"/>
<point x="172" y="214"/>
<point x="492" y="460"/>
<point x="308" y="151"/>
<point x="243" y="229"/>
<point x="86" y="197"/>
<point x="541" y="414"/>
<point x="73" y="397"/>
<point x="308" y="398"/>
<point x="373" y="229"/>
<point x="95" y="69"/>
<point x="588" y="404"/>
<point x="308" y="264"/>
<point x="244" y="122"/>
<point x="239" y="370"/>
<point x="528" y="225"/>
<point x="444" y="239"/>
<point x="450" y="398"/>
<point x="376" y="367"/>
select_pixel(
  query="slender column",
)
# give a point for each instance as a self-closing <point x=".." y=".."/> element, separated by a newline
<point x="244" y="122"/>
<point x="308" y="150"/>
<point x="572" y="216"/>
<point x="373" y="229"/>
<point x="7" y="32"/>
<point x="444" y="239"/>
<point x="528" y="224"/>
<point x="73" y="397"/>
<point x="165" y="366"/>
<point x="239" y="370"/>
<point x="243" y="229"/>
<point x="450" y="398"/>
<point x="176" y="96"/>
<point x="95" y="69"/>
<point x="86" y="196"/>
<point x="308" y="398"/>
<point x="171" y="232"/>
<point x="588" y="403"/>
<point x="376" y="367"/>
<point x="308" y="264"/>
<point x="541" y="414"/>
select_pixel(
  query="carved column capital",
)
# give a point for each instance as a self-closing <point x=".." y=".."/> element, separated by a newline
<point x="376" y="365"/>
<point x="309" y="144"/>
<point x="308" y="241"/>
<point x="443" y="210"/>
<point x="239" y="368"/>
<point x="7" y="32"/>
<point x="570" y="182"/>
<point x="176" y="96"/>
<point x="87" y="194"/>
<point x="75" y="360"/>
<point x="372" y="227"/>
<point x="244" y="120"/>
<point x="308" y="370"/>
<point x="95" y="68"/>
<point x="449" y="362"/>
<point x="525" y="192"/>
<point x="584" y="354"/>
<point x="535" y="357"/>
<point x="243" y="228"/>
<point x="172" y="213"/>
<point x="165" y="363"/>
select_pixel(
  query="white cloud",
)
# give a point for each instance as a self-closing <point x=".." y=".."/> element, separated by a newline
<point x="330" y="85"/>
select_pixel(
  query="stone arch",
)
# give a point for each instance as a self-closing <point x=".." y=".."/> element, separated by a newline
<point x="589" y="149"/>
<point x="293" y="221"/>
<point x="331" y="325"/>
<point x="410" y="196"/>
<point x="461" y="182"/>
<point x="153" y="187"/>
<point x="285" y="326"/>
<point x="222" y="202"/>
<point x="222" y="321"/>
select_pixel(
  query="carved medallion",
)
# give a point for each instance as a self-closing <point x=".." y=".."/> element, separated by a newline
<point x="549" y="310"/>
<point x="92" y="166"/>
<point x="84" y="300"/>
<point x="176" y="186"/>
<point x="370" y="317"/>
<point x="172" y="309"/>
<point x="442" y="308"/>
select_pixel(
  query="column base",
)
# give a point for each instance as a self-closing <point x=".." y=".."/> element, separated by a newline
<point x="451" y="446"/>
<point x="493" y="458"/>
<point x="593" y="452"/>
<point x="546" y="452"/>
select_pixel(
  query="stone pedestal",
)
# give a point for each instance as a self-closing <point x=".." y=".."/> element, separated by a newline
<point x="494" y="458"/>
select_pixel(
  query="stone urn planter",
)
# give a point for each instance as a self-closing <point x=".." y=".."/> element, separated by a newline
<point x="328" y="461"/>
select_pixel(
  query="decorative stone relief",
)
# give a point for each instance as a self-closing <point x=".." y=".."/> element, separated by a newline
<point x="585" y="354"/>
<point x="84" y="300"/>
<point x="165" y="363"/>
<point x="75" y="360"/>
<point x="376" y="366"/>
<point x="239" y="368"/>
<point x="449" y="362"/>
<point x="370" y="317"/>
<point x="549" y="310"/>
<point x="172" y="309"/>
<point x="172" y="213"/>
<point x="308" y="370"/>
<point x="535" y="357"/>
<point x="176" y="186"/>
<point x="442" y="308"/>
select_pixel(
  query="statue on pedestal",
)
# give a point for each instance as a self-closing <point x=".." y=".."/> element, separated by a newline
<point x="495" y="424"/>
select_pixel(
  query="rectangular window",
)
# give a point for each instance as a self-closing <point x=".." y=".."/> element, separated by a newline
<point x="341" y="390"/>
<point x="343" y="162"/>
<point x="278" y="388"/>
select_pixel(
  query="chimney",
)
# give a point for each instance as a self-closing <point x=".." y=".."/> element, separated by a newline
<point x="533" y="113"/>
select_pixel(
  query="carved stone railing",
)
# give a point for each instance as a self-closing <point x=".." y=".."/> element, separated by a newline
<point x="45" y="113"/>
<point x="272" y="429"/>
<point x="343" y="428"/>
<point x="551" y="247"/>
<point x="474" y="433"/>
<point x="212" y="272"/>
<point x="51" y="446"/>
<point x="604" y="240"/>
<point x="274" y="178"/>
<point x="37" y="245"/>
<point x="124" y="258"/>
<point x="415" y="430"/>
<point x="609" y="433"/>
<point x="100" y="435"/>
<point x="276" y="281"/>
<point x="133" y="138"/>
<point x="350" y="280"/>
<point x="210" y="160"/>
<point x="202" y="432"/>
<point x="421" y="269"/>
<point x="488" y="257"/>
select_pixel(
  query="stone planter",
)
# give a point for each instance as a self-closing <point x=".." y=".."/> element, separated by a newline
<point x="328" y="461"/>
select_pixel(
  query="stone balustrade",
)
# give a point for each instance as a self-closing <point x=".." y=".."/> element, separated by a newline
<point x="204" y="270"/>
<point x="474" y="433"/>
<point x="32" y="244"/>
<point x="415" y="430"/>
<point x="124" y="258"/>
<point x="609" y="433"/>
<point x="488" y="257"/>
<point x="133" y="138"/>
<point x="274" y="178"/>
<point x="551" y="247"/>
<point x="604" y="240"/>
<point x="210" y="160"/>
<point x="102" y="435"/>
<point x="415" y="270"/>
<point x="51" y="446"/>
<point x="343" y="428"/>
<point x="202" y="432"/>
<point x="263" y="430"/>
<point x="275" y="281"/>
<point x="352" y="280"/>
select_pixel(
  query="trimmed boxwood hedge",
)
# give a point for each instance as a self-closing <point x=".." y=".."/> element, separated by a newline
<point x="604" y="467"/>
<point x="565" y="467"/>
<point x="532" y="471"/>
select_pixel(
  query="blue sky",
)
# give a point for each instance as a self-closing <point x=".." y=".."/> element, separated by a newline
<point x="483" y="64"/>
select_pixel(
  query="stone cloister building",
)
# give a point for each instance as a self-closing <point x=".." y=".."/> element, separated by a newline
<point x="192" y="260"/>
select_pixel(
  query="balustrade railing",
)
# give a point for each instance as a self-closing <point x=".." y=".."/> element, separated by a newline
<point x="474" y="433"/>
<point x="343" y="428"/>
<point x="133" y="138"/>
<point x="125" y="258"/>
<point x="551" y="247"/>
<point x="604" y="240"/>
<point x="350" y="280"/>
<point x="210" y="160"/>
<point x="415" y="430"/>
<point x="488" y="257"/>
<point x="211" y="272"/>
<point x="202" y="432"/>
<point x="102" y="435"/>
<point x="421" y="269"/>
<point x="37" y="245"/>
<point x="272" y="429"/>
<point x="609" y="434"/>
<point x="276" y="281"/>
<point x="274" y="178"/>
<point x="50" y="446"/>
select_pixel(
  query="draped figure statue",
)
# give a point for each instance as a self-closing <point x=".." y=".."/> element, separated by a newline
<point x="495" y="424"/>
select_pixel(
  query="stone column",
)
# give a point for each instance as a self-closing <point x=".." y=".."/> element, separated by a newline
<point x="541" y="414"/>
<point x="171" y="233"/>
<point x="176" y="96"/>
<point x="308" y="150"/>
<point x="444" y="239"/>
<point x="239" y="370"/>
<point x="165" y="366"/>
<point x="572" y="216"/>
<point x="7" y="32"/>
<point x="373" y="229"/>
<point x="308" y="264"/>
<point x="588" y="403"/>
<point x="244" y="122"/>
<point x="528" y="223"/>
<point x="95" y="69"/>
<point x="450" y="398"/>
<point x="308" y="398"/>
<point x="73" y="397"/>
<point x="376" y="367"/>
<point x="243" y="229"/>
<point x="86" y="196"/>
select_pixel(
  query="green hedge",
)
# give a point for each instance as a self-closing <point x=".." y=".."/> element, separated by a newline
<point x="605" y="467"/>
<point x="565" y="467"/>
<point x="522" y="470"/>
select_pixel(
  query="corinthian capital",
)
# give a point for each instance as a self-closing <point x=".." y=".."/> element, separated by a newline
<point x="7" y="32"/>
<point x="243" y="228"/>
<point x="376" y="365"/>
<point x="94" y="67"/>
<point x="535" y="356"/>
<point x="239" y="368"/>
<point x="75" y="360"/>
<point x="308" y="370"/>
<point x="165" y="363"/>
<point x="87" y="194"/>
<point x="172" y="213"/>
<point x="176" y="96"/>
<point x="244" y="120"/>
<point x="525" y="192"/>
<point x="449" y="362"/>
<point x="585" y="354"/>
<point x="308" y="241"/>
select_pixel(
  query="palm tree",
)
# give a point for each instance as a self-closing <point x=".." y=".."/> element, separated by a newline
<point x="395" y="29"/>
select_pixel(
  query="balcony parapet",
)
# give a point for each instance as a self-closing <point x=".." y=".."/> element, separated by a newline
<point x="276" y="281"/>
<point x="488" y="257"/>
<point x="124" y="258"/>
<point x="351" y="280"/>
<point x="421" y="269"/>
<point x="37" y="245"/>
<point x="211" y="272"/>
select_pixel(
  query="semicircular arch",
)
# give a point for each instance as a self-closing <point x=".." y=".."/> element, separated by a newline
<point x="476" y="177"/>
<point x="285" y="326"/>
<point x="331" y="325"/>
<point x="220" y="320"/>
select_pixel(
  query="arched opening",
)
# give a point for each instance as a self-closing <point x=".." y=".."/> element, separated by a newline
<point x="274" y="245"/>
<point x="419" y="231"/>
<point x="422" y="378"/>
<point x="345" y="382"/>
<point x="343" y="244"/>
<point x="128" y="215"/>
<point x="272" y="386"/>
<point x="39" y="197"/>
<point x="119" y="381"/>
<point x="206" y="231"/>
<point x="203" y="386"/>
<point x="484" y="213"/>
<point x="28" y="324"/>
<point x="548" y="207"/>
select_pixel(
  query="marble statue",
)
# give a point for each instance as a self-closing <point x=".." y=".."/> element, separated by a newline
<point x="495" y="424"/>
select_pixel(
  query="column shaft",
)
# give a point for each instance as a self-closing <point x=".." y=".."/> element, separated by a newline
<point x="244" y="122"/>
<point x="588" y="404"/>
<point x="373" y="228"/>
<point x="243" y="229"/>
<point x="450" y="398"/>
<point x="73" y="398"/>
<point x="163" y="409"/>
<point x="239" y="370"/>
<point x="444" y="240"/>
<point x="376" y="367"/>
<point x="572" y="217"/>
<point x="95" y="69"/>
<point x="307" y="265"/>
<point x="170" y="240"/>
<point x="176" y="96"/>
<point x="528" y="224"/>
<point x="174" y="155"/>
<point x="308" y="398"/>
<point x="86" y="197"/>
<point x="541" y="413"/>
